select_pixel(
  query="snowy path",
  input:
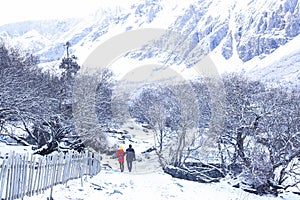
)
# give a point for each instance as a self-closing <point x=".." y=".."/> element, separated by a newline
<point x="111" y="184"/>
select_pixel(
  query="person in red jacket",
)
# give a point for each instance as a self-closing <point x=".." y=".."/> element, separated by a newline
<point x="120" y="155"/>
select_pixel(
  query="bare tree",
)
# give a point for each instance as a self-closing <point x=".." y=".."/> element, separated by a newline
<point x="185" y="137"/>
<point x="92" y="108"/>
<point x="30" y="99"/>
<point x="279" y="138"/>
<point x="261" y="134"/>
<point x="153" y="105"/>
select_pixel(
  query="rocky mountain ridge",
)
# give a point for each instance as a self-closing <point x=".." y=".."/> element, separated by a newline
<point x="238" y="32"/>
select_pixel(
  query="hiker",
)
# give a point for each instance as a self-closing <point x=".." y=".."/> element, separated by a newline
<point x="130" y="157"/>
<point x="120" y="155"/>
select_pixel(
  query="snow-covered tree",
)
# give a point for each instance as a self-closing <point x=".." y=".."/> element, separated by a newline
<point x="241" y="116"/>
<point x="260" y="140"/>
<point x="71" y="67"/>
<point x="185" y="136"/>
<point x="278" y="138"/>
<point x="156" y="106"/>
<point x="93" y="107"/>
<point x="30" y="99"/>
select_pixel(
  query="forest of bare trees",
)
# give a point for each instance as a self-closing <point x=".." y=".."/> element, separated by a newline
<point x="35" y="102"/>
<point x="259" y="142"/>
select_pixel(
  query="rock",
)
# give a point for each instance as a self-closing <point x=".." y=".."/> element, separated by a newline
<point x="126" y="136"/>
<point x="196" y="172"/>
<point x="145" y="130"/>
<point x="147" y="126"/>
<point x="149" y="150"/>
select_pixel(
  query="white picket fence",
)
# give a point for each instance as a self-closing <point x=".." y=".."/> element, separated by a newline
<point x="23" y="175"/>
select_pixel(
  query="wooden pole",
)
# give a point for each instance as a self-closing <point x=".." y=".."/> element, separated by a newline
<point x="54" y="173"/>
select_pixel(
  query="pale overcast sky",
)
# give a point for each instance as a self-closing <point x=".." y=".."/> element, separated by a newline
<point x="22" y="10"/>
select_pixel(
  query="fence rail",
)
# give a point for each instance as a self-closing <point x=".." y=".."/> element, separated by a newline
<point x="23" y="175"/>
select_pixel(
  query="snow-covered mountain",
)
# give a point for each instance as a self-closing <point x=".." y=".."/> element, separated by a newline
<point x="250" y="34"/>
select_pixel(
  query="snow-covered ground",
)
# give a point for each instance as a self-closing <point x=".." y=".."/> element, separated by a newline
<point x="112" y="184"/>
<point x="146" y="181"/>
<point x="5" y="149"/>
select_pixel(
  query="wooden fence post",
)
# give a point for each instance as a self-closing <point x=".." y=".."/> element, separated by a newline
<point x="3" y="174"/>
<point x="24" y="166"/>
<point x="11" y="180"/>
<point x="31" y="176"/>
<point x="37" y="176"/>
<point x="54" y="173"/>
<point x="81" y="168"/>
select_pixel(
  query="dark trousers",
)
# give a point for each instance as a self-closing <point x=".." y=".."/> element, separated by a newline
<point x="129" y="165"/>
<point x="121" y="166"/>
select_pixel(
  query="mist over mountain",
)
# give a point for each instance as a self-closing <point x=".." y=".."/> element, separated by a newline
<point x="260" y="37"/>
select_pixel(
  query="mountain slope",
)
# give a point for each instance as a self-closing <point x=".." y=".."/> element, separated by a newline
<point x="235" y="32"/>
<point x="282" y="66"/>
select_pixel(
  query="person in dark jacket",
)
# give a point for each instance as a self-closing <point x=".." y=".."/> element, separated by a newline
<point x="120" y="155"/>
<point x="130" y="157"/>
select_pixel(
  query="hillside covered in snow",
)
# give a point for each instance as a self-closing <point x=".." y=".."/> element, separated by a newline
<point x="238" y="34"/>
